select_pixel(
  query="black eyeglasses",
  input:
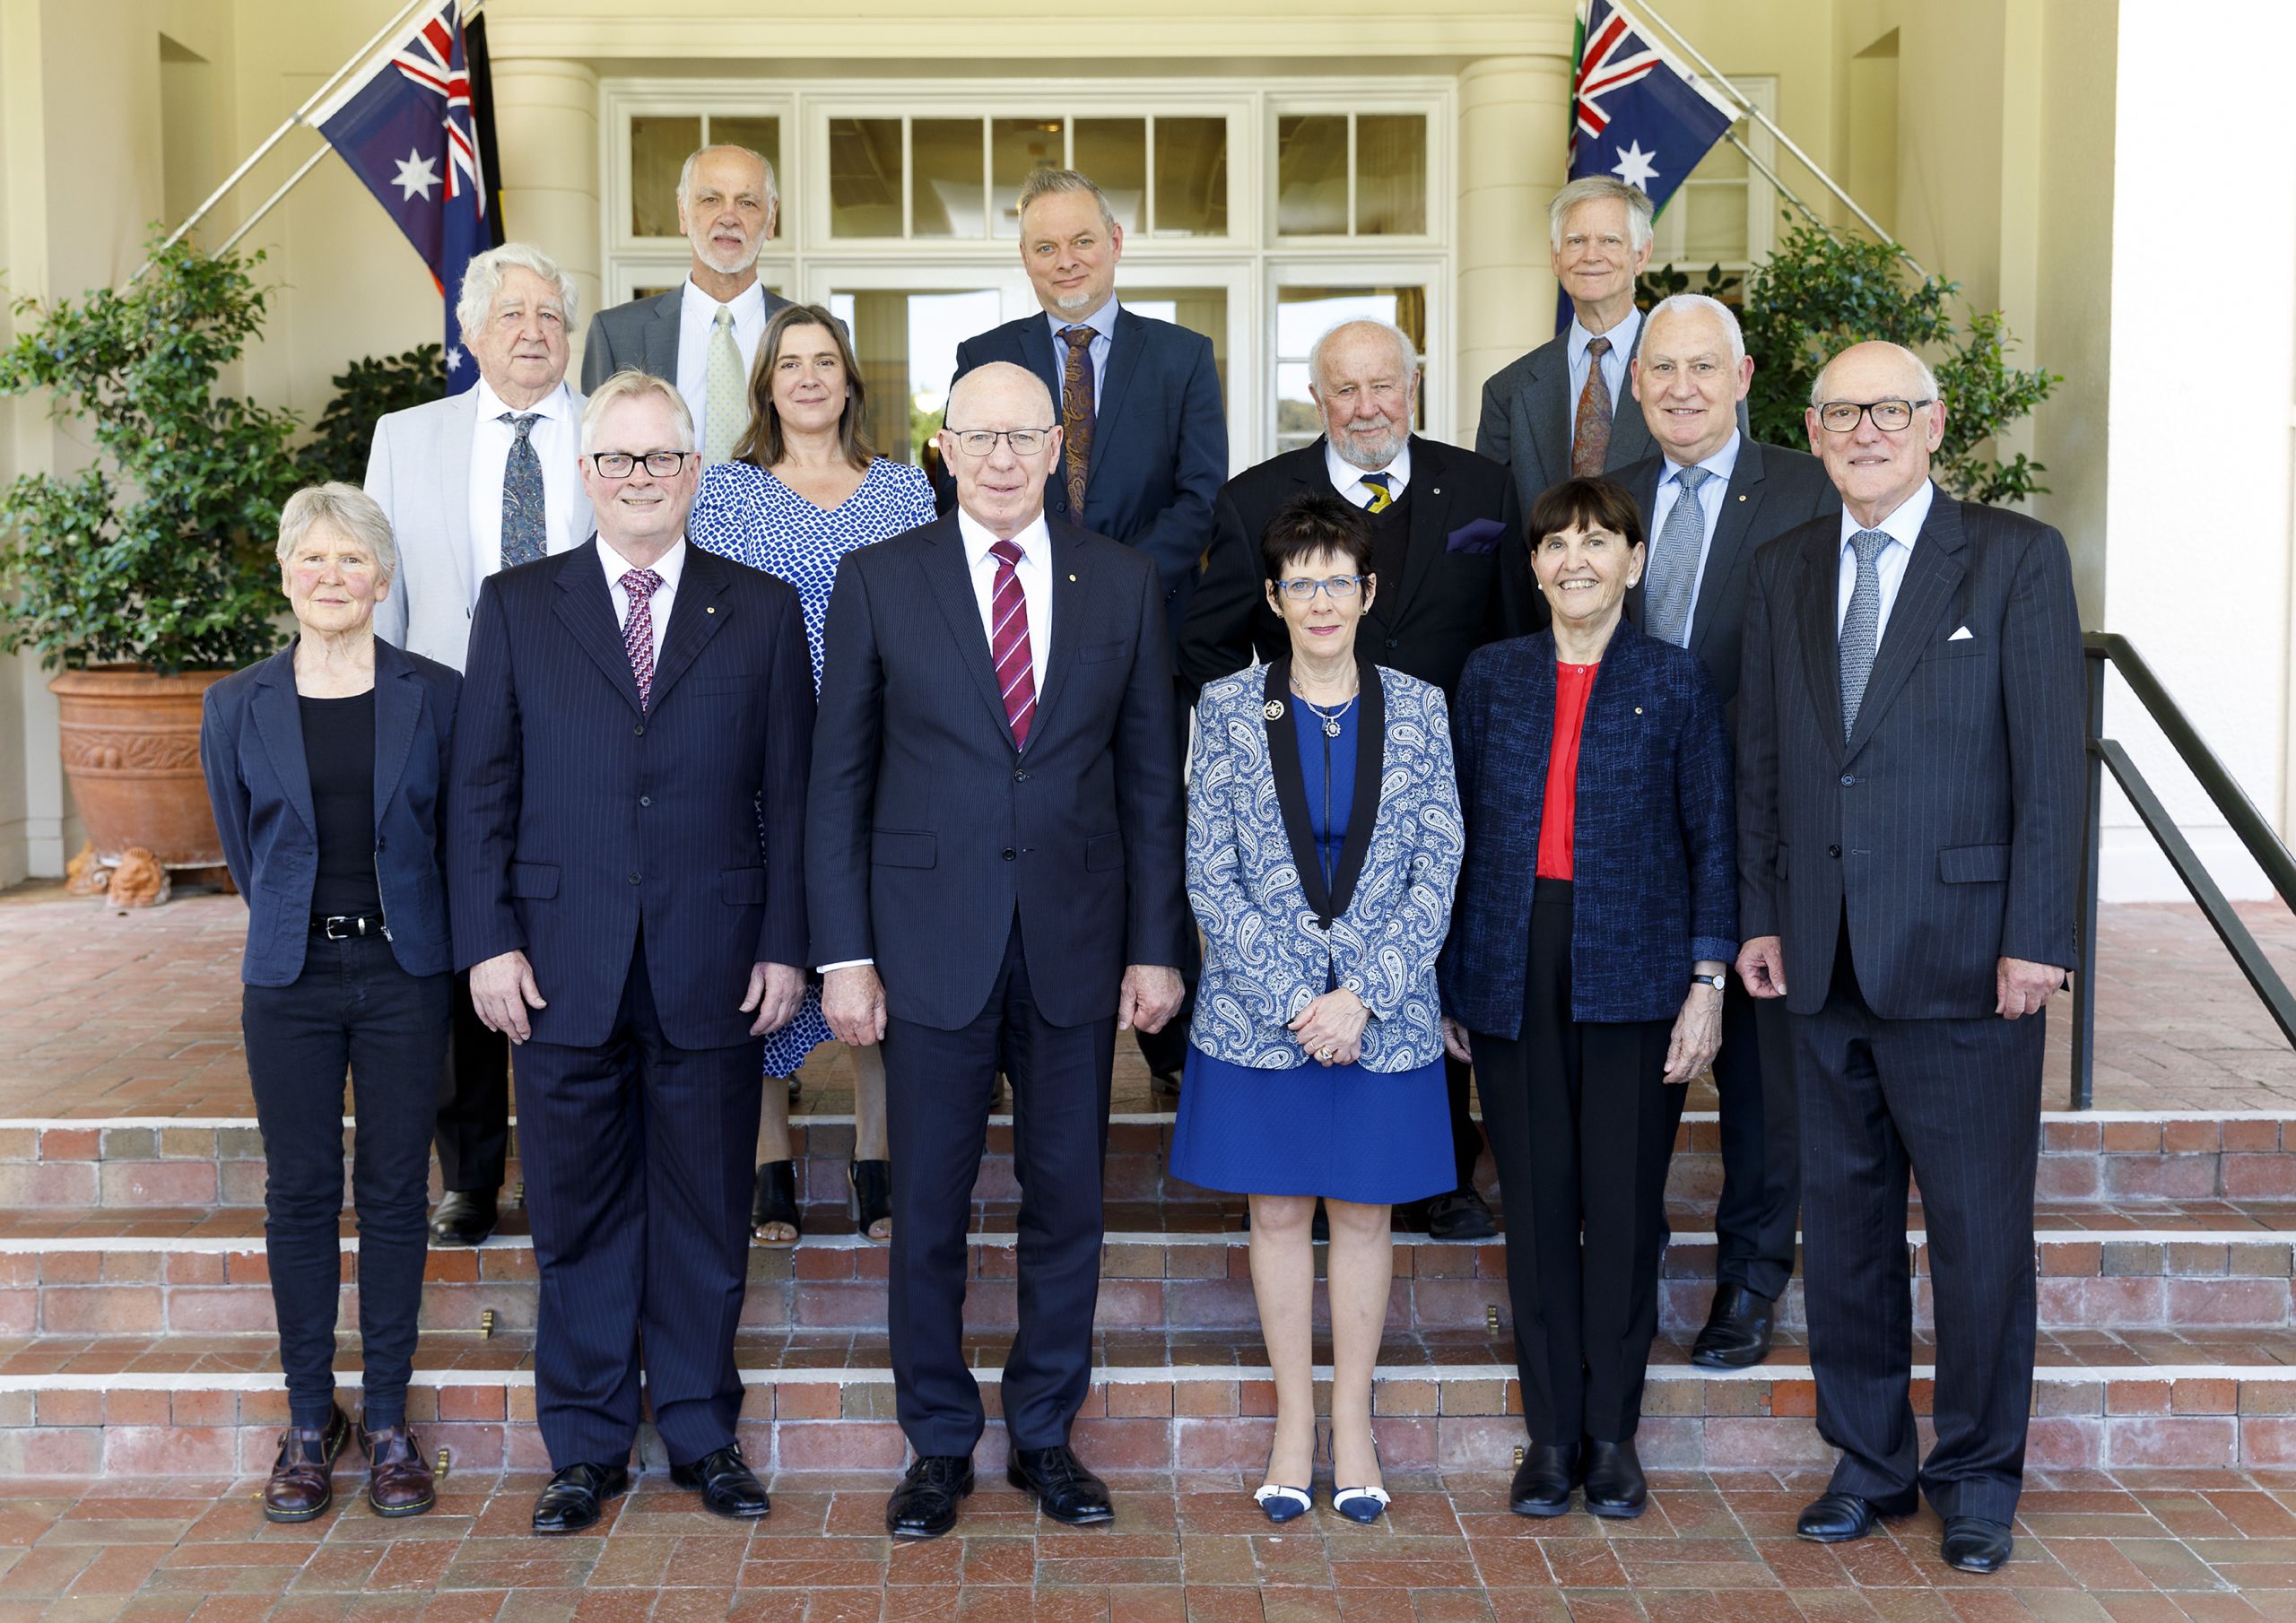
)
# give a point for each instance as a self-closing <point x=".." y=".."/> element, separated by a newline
<point x="1840" y="416"/>
<point x="981" y="442"/>
<point x="622" y="465"/>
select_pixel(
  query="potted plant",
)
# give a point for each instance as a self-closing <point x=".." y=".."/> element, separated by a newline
<point x="149" y="574"/>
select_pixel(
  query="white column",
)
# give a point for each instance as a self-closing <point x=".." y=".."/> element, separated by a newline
<point x="1511" y="156"/>
<point x="546" y="127"/>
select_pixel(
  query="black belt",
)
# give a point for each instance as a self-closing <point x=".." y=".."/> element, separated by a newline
<point x="343" y="926"/>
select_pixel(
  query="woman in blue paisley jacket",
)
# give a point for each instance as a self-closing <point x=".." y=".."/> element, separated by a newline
<point x="1323" y="841"/>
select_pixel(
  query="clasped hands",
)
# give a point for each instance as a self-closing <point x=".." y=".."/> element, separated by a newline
<point x="853" y="1000"/>
<point x="502" y="989"/>
<point x="1331" y="1029"/>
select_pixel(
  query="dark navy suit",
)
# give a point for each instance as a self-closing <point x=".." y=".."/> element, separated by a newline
<point x="643" y="859"/>
<point x="1001" y="893"/>
<point x="1899" y="866"/>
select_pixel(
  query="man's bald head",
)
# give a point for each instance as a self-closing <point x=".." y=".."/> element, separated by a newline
<point x="1003" y="487"/>
<point x="1003" y="388"/>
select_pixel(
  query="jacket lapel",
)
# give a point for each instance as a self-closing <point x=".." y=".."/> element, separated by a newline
<point x="1645" y="492"/>
<point x="695" y="615"/>
<point x="1821" y="630"/>
<point x="280" y="719"/>
<point x="1726" y="555"/>
<point x="1130" y="338"/>
<point x="1370" y="769"/>
<point x="1550" y="411"/>
<point x="1631" y="439"/>
<point x="951" y="578"/>
<point x="398" y="702"/>
<point x="586" y="608"/>
<point x="1931" y="576"/>
<point x="1428" y="532"/>
<point x="1073" y="581"/>
<point x="660" y="348"/>
<point x="1291" y="785"/>
<point x="459" y="425"/>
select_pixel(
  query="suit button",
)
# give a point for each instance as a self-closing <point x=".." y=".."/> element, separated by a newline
<point x="1847" y="779"/>
<point x="645" y="799"/>
<point x="1020" y="777"/>
<point x="1833" y="850"/>
<point x="639" y="729"/>
<point x="1007" y="854"/>
<point x="636" y="877"/>
<point x="1391" y="642"/>
<point x="379" y="844"/>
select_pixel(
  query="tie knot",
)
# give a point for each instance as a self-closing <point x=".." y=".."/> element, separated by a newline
<point x="1077" y="337"/>
<point x="1691" y="478"/>
<point x="724" y="317"/>
<point x="640" y="584"/>
<point x="1868" y="544"/>
<point x="1377" y="481"/>
<point x="522" y="423"/>
<point x="1598" y="347"/>
<point x="1006" y="554"/>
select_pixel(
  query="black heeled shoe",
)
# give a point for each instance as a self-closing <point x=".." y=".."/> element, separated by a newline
<point x="869" y="1198"/>
<point x="776" y="1201"/>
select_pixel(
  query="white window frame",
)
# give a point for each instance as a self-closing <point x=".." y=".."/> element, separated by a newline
<point x="1668" y="233"/>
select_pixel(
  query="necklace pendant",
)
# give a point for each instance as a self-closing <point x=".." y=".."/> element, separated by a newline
<point x="1331" y="727"/>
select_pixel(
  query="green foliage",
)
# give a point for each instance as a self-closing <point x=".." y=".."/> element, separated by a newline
<point x="363" y="392"/>
<point x="161" y="551"/>
<point x="1819" y="294"/>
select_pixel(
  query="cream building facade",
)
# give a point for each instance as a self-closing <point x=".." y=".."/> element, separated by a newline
<point x="1280" y="163"/>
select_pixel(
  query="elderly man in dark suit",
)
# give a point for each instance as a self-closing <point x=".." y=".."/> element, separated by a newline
<point x="1451" y="572"/>
<point x="994" y="874"/>
<point x="1708" y="499"/>
<point x="1564" y="409"/>
<point x="625" y="855"/>
<point x="703" y="334"/>
<point x="1910" y="819"/>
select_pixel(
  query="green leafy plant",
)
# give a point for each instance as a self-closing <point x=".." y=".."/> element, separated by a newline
<point x="159" y="552"/>
<point x="364" y="392"/>
<point x="1664" y="282"/>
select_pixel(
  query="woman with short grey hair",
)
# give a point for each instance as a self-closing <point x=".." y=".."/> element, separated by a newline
<point x="327" y="765"/>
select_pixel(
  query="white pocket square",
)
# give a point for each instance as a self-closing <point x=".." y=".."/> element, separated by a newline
<point x="1961" y="636"/>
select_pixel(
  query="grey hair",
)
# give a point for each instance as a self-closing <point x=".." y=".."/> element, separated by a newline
<point x="1597" y="188"/>
<point x="685" y="172"/>
<point x="1921" y="367"/>
<point x="349" y="510"/>
<point x="483" y="283"/>
<point x="630" y="384"/>
<point x="1684" y="304"/>
<point x="1054" y="183"/>
<point x="1404" y="346"/>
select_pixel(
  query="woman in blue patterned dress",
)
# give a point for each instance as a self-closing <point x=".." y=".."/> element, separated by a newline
<point x="1323" y="840"/>
<point x="804" y="488"/>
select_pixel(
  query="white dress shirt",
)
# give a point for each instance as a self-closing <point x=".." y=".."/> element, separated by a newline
<point x="697" y="315"/>
<point x="1711" y="495"/>
<point x="1035" y="570"/>
<point x="1901" y="527"/>
<point x="1621" y="337"/>
<point x="1347" y="479"/>
<point x="554" y="440"/>
<point x="669" y="567"/>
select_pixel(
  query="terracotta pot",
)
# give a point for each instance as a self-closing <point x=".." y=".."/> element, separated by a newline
<point x="131" y="750"/>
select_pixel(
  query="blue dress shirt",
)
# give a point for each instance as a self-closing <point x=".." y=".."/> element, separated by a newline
<point x="1720" y="466"/>
<point x="1102" y="321"/>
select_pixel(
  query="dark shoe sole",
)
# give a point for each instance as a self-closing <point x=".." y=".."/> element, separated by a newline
<point x="1612" y="1511"/>
<point x="401" y="1510"/>
<point x="1976" y="1567"/>
<point x="732" y="1515"/>
<point x="1728" y="1361"/>
<point x="1544" y="1509"/>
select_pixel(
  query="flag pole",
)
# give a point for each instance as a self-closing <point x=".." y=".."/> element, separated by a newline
<point x="1770" y="175"/>
<point x="1763" y="118"/>
<point x="276" y="136"/>
<point x="271" y="202"/>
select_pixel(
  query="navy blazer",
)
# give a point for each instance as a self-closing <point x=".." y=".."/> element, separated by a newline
<point x="928" y="832"/>
<point x="251" y="749"/>
<point x="1949" y="825"/>
<point x="1652" y="856"/>
<point x="1160" y="441"/>
<point x="578" y="817"/>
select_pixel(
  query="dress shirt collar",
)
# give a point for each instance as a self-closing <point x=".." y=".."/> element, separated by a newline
<point x="1902" y="525"/>
<point x="749" y="304"/>
<point x="554" y="405"/>
<point x="670" y="566"/>
<point x="1034" y="540"/>
<point x="1102" y="321"/>
<point x="1347" y="476"/>
<point x="1721" y="464"/>
<point x="1621" y="337"/>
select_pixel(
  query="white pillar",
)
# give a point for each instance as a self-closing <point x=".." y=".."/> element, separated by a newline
<point x="1511" y="113"/>
<point x="546" y="128"/>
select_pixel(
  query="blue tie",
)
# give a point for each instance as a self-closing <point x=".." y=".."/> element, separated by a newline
<point x="1673" y="567"/>
<point x="1861" y="627"/>
<point x="525" y="524"/>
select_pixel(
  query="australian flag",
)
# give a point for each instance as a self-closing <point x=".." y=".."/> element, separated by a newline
<point x="404" y="123"/>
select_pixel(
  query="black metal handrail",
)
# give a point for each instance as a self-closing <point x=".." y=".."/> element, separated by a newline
<point x="2262" y="844"/>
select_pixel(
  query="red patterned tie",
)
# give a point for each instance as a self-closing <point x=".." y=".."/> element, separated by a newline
<point x="1590" y="434"/>
<point x="637" y="630"/>
<point x="1008" y="643"/>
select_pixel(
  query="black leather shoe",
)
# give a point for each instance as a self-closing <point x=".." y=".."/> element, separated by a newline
<point x="463" y="1217"/>
<point x="1543" y="1480"/>
<point x="1737" y="1330"/>
<point x="1065" y="1490"/>
<point x="924" y="1505"/>
<point x="730" y="1488"/>
<point x="1615" y="1485"/>
<point x="576" y="1495"/>
<point x="1837" y="1518"/>
<point x="1974" y="1544"/>
<point x="1459" y="1215"/>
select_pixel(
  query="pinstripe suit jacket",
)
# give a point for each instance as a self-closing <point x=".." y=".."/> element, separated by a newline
<point x="576" y="818"/>
<point x="1949" y="823"/>
<point x="927" y="830"/>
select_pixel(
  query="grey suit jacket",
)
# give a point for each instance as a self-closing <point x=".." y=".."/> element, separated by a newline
<point x="1527" y="411"/>
<point x="642" y="333"/>
<point x="419" y="470"/>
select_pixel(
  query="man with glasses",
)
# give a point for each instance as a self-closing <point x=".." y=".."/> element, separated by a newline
<point x="625" y="855"/>
<point x="1441" y="521"/>
<point x="1909" y="825"/>
<point x="994" y="876"/>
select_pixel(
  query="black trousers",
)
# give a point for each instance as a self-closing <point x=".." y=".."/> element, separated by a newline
<point x="636" y="1159"/>
<point x="473" y="1128"/>
<point x="1582" y="1128"/>
<point x="1957" y="1103"/>
<point x="1466" y="1137"/>
<point x="1760" y="1208"/>
<point x="937" y="1089"/>
<point x="353" y="1008"/>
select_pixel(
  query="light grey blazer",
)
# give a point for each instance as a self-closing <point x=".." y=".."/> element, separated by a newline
<point x="419" y="470"/>
<point x="642" y="333"/>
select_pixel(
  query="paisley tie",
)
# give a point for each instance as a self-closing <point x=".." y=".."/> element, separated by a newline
<point x="1590" y="433"/>
<point x="1077" y="409"/>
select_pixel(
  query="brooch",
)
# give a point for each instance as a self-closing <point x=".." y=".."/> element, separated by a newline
<point x="1273" y="709"/>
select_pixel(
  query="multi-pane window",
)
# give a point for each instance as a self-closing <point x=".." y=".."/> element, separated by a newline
<point x="1351" y="174"/>
<point x="1724" y="212"/>
<point x="658" y="146"/>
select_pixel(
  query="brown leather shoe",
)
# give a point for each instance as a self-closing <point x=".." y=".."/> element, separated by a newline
<point x="398" y="1483"/>
<point x="301" y="1483"/>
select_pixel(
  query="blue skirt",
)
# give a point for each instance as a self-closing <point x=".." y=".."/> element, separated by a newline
<point x="1377" y="1137"/>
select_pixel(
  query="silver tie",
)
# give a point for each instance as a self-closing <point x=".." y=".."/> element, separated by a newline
<point x="1861" y="627"/>
<point x="1673" y="567"/>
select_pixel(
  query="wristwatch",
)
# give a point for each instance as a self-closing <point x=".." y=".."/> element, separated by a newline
<point x="1720" y="983"/>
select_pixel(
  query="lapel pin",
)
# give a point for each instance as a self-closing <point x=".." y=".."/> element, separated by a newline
<point x="1273" y="709"/>
<point x="1438" y="490"/>
<point x="1072" y="580"/>
<point x="712" y="609"/>
<point x="1742" y="495"/>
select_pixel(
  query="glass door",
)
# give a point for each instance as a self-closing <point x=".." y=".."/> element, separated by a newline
<point x="906" y="324"/>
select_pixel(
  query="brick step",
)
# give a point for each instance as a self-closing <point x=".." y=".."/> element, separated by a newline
<point x="2102" y="1155"/>
<point x="1185" y="1268"/>
<point x="127" y="1406"/>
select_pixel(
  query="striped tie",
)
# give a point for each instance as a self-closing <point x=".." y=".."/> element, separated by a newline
<point x="637" y="630"/>
<point x="1382" y="497"/>
<point x="1008" y="643"/>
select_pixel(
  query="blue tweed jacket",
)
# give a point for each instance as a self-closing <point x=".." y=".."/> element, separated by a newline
<point x="1273" y="938"/>
<point x="1653" y="852"/>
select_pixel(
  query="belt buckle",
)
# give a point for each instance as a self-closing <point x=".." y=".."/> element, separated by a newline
<point x="334" y="934"/>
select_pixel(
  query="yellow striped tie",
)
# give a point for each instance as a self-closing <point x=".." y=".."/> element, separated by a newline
<point x="1382" y="498"/>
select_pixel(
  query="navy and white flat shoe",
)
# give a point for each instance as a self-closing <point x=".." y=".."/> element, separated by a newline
<point x="1364" y="1504"/>
<point x="1282" y="1504"/>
